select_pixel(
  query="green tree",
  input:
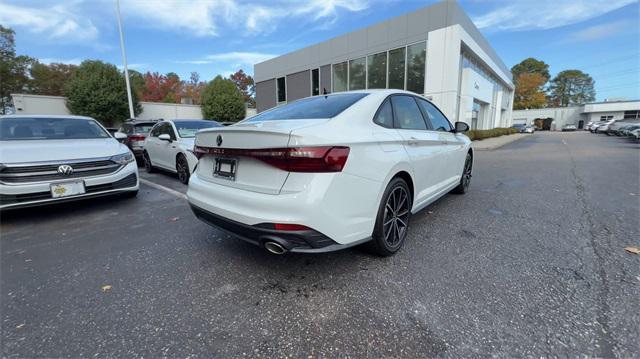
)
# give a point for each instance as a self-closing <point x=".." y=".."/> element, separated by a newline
<point x="531" y="65"/>
<point x="50" y="79"/>
<point x="222" y="101"/>
<point x="571" y="87"/>
<point x="99" y="90"/>
<point x="14" y="69"/>
<point x="137" y="83"/>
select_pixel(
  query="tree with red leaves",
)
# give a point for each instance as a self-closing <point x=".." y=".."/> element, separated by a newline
<point x="162" y="88"/>
<point x="245" y="84"/>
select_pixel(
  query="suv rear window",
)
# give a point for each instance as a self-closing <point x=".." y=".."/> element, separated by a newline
<point x="313" y="107"/>
<point x="143" y="127"/>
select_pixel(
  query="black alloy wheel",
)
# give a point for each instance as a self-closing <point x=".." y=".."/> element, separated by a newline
<point x="147" y="163"/>
<point x="392" y="222"/>
<point x="182" y="167"/>
<point x="463" y="187"/>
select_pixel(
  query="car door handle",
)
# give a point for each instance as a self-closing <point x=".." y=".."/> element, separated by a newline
<point x="412" y="141"/>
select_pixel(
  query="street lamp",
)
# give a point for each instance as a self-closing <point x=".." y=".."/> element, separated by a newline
<point x="124" y="62"/>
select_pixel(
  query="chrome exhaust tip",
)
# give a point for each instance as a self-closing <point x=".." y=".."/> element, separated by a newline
<point x="275" y="247"/>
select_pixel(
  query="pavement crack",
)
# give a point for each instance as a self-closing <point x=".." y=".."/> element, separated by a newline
<point x="607" y="343"/>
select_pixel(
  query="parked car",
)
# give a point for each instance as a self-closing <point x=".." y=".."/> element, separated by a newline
<point x="635" y="134"/>
<point x="528" y="129"/>
<point x="135" y="132"/>
<point x="112" y="130"/>
<point x="169" y="146"/>
<point x="626" y="130"/>
<point x="569" y="127"/>
<point x="519" y="126"/>
<point x="616" y="128"/>
<point x="604" y="128"/>
<point x="588" y="126"/>
<point x="329" y="172"/>
<point x="594" y="127"/>
<point x="46" y="159"/>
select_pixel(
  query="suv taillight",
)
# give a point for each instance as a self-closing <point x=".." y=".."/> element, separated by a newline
<point x="137" y="137"/>
<point x="291" y="159"/>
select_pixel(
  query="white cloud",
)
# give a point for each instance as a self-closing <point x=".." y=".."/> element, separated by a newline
<point x="602" y="31"/>
<point x="232" y="59"/>
<point x="545" y="14"/>
<point x="198" y="17"/>
<point x="55" y="22"/>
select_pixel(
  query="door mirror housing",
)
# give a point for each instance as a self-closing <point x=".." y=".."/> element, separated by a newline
<point x="461" y="127"/>
<point x="120" y="136"/>
<point x="165" y="137"/>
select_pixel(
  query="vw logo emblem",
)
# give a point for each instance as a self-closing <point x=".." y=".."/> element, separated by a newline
<point x="65" y="170"/>
<point x="219" y="140"/>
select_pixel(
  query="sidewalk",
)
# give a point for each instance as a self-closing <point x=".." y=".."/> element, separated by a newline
<point x="496" y="142"/>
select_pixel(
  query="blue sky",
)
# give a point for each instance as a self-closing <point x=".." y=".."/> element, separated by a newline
<point x="600" y="37"/>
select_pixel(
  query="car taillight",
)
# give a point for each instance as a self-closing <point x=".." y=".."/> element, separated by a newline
<point x="136" y="137"/>
<point x="291" y="159"/>
<point x="290" y="227"/>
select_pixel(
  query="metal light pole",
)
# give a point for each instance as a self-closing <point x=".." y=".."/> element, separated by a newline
<point x="124" y="62"/>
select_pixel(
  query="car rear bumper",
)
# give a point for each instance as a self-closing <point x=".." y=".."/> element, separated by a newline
<point x="341" y="207"/>
<point x="35" y="194"/>
<point x="308" y="241"/>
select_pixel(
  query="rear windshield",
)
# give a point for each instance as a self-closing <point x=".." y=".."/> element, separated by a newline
<point x="21" y="128"/>
<point x="142" y="127"/>
<point x="189" y="128"/>
<point x="313" y="107"/>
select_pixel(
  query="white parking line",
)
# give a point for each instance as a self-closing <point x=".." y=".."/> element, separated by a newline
<point x="163" y="188"/>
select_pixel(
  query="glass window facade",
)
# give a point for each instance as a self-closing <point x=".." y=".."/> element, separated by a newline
<point x="357" y="74"/>
<point x="416" y="61"/>
<point x="377" y="71"/>
<point x="396" y="68"/>
<point x="315" y="82"/>
<point x="340" y="73"/>
<point x="282" y="89"/>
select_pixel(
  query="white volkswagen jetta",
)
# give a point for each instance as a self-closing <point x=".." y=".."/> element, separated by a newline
<point x="46" y="159"/>
<point x="330" y="171"/>
<point x="169" y="146"/>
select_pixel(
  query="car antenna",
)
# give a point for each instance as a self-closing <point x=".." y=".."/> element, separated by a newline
<point x="324" y="92"/>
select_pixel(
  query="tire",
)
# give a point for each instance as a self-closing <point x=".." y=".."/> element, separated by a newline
<point x="465" y="180"/>
<point x="392" y="221"/>
<point x="131" y="194"/>
<point x="147" y="163"/>
<point x="182" y="167"/>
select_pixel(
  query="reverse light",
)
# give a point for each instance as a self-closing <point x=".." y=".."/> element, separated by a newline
<point x="290" y="159"/>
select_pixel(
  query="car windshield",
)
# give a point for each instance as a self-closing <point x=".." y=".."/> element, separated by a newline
<point x="313" y="107"/>
<point x="189" y="128"/>
<point x="27" y="128"/>
<point x="142" y="127"/>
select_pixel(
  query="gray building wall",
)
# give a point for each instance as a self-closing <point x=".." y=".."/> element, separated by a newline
<point x="299" y="85"/>
<point x="265" y="95"/>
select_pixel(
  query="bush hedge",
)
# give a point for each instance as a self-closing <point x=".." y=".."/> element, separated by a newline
<point x="495" y="132"/>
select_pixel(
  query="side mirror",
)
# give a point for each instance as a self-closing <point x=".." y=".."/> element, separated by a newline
<point x="120" y="136"/>
<point x="164" y="137"/>
<point x="461" y="127"/>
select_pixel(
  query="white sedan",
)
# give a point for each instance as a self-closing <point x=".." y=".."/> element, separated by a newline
<point x="46" y="159"/>
<point x="169" y="146"/>
<point x="329" y="172"/>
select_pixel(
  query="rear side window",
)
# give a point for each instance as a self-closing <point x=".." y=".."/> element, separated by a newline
<point x="407" y="113"/>
<point x="385" y="115"/>
<point x="314" y="107"/>
<point x="142" y="127"/>
<point x="438" y="121"/>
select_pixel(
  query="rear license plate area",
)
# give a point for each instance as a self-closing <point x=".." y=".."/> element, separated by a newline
<point x="225" y="168"/>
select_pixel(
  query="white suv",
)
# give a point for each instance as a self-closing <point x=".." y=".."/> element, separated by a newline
<point x="45" y="159"/>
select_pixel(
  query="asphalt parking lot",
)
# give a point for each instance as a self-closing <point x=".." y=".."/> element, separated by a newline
<point x="529" y="263"/>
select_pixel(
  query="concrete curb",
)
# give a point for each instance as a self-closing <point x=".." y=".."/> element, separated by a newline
<point x="497" y="142"/>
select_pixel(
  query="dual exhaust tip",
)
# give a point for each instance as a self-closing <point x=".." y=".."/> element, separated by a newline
<point x="275" y="247"/>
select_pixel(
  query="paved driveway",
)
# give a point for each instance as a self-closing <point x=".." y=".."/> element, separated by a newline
<point x="529" y="262"/>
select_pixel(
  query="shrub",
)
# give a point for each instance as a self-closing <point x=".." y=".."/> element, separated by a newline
<point x="494" y="132"/>
<point x="99" y="90"/>
<point x="222" y="101"/>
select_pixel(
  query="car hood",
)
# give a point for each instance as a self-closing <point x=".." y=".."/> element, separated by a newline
<point x="58" y="150"/>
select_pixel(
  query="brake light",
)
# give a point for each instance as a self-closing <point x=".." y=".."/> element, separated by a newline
<point x="290" y="159"/>
<point x="137" y="137"/>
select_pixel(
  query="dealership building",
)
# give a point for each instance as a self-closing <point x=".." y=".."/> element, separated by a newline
<point x="436" y="51"/>
<point x="580" y="115"/>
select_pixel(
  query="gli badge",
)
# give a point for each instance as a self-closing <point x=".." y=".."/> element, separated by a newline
<point x="65" y="170"/>
<point x="219" y="140"/>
